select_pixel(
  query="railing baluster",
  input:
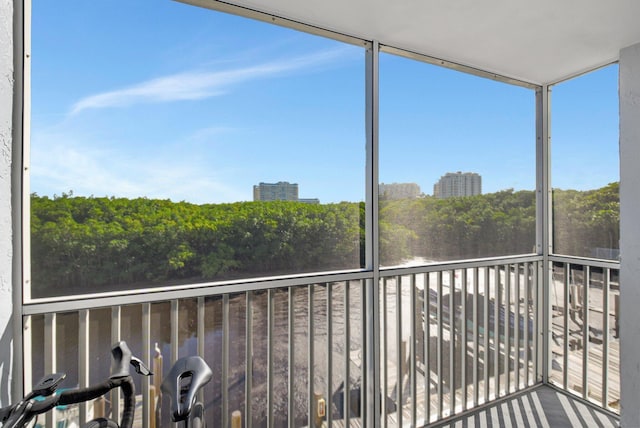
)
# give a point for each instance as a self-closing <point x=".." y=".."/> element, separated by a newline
<point x="412" y="349"/>
<point x="310" y="345"/>
<point x="496" y="333"/>
<point x="369" y="298"/>
<point x="175" y="330"/>
<point x="452" y="340"/>
<point x="225" y="360"/>
<point x="200" y="336"/>
<point x="27" y="340"/>
<point x="346" y="402"/>
<point x="270" y="302"/>
<point x="529" y="308"/>
<point x="525" y="321"/>
<point x="585" y="332"/>
<point x="50" y="359"/>
<point x="463" y="338"/>
<point x="539" y="315"/>
<point x="248" y="385"/>
<point x="565" y="357"/>
<point x="476" y="337"/>
<point x="146" y="358"/>
<point x="291" y="311"/>
<point x="507" y="328"/>
<point x="385" y="347"/>
<point x="426" y="303"/>
<point x="83" y="360"/>
<point x="399" y="350"/>
<point x="329" y="320"/>
<point x="516" y="326"/>
<point x="440" y="346"/>
<point x="487" y="331"/>
<point x="116" y="329"/>
<point x="606" y="285"/>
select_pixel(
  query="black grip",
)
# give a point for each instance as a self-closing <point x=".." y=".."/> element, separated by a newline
<point x="129" y="393"/>
<point x="39" y="407"/>
<point x="86" y="394"/>
<point x="92" y="392"/>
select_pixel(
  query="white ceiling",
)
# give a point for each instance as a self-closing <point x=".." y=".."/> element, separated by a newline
<point x="537" y="41"/>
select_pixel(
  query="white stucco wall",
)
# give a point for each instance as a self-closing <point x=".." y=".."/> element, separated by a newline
<point x="6" y="250"/>
<point x="630" y="235"/>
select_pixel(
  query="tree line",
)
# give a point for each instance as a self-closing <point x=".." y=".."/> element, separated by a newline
<point x="81" y="244"/>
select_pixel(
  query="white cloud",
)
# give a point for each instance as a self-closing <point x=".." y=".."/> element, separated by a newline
<point x="194" y="85"/>
<point x="89" y="169"/>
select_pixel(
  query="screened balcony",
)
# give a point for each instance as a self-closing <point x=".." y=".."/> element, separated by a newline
<point x="367" y="299"/>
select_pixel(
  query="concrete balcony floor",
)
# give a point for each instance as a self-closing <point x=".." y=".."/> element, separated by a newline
<point x="541" y="406"/>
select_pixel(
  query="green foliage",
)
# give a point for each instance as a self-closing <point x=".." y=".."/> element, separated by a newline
<point x="81" y="244"/>
<point x="584" y="221"/>
<point x="496" y="224"/>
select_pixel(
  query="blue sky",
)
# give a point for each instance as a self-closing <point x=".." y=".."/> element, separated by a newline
<point x="165" y="100"/>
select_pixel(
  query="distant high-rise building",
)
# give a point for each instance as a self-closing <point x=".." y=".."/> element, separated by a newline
<point x="280" y="191"/>
<point x="399" y="190"/>
<point x="309" y="200"/>
<point x="458" y="184"/>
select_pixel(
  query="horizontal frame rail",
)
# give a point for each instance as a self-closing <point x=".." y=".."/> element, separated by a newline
<point x="104" y="300"/>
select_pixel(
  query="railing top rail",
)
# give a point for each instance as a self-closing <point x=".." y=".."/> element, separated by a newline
<point x="462" y="264"/>
<point x="193" y="290"/>
<point x="609" y="264"/>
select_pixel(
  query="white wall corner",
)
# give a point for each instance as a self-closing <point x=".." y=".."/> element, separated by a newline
<point x="629" y="91"/>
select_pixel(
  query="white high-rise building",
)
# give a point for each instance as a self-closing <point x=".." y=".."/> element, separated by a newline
<point x="458" y="184"/>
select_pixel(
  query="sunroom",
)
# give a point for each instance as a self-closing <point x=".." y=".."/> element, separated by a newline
<point x="358" y="213"/>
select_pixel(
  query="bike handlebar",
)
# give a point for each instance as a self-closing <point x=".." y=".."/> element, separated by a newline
<point x="19" y="415"/>
<point x="128" y="391"/>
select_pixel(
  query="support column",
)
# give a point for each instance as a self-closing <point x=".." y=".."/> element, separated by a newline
<point x="630" y="235"/>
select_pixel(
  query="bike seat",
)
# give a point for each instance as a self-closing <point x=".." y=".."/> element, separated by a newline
<point x="184" y="380"/>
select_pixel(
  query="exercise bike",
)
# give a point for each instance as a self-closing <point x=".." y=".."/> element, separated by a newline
<point x="44" y="398"/>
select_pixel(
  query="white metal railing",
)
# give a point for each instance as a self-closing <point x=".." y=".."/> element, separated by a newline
<point x="584" y="344"/>
<point x="456" y="338"/>
<point x="278" y="355"/>
<point x="452" y="337"/>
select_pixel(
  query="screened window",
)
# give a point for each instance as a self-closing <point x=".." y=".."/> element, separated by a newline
<point x="585" y="165"/>
<point x="457" y="165"/>
<point x="153" y="126"/>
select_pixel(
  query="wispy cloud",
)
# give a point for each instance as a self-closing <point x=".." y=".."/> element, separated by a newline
<point x="194" y="85"/>
<point x="92" y="168"/>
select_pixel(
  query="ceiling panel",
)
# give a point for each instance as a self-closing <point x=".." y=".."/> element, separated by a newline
<point x="540" y="42"/>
